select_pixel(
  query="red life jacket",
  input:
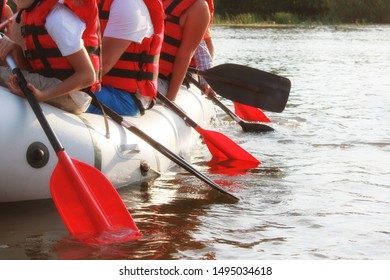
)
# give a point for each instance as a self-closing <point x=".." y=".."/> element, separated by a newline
<point x="173" y="34"/>
<point x="3" y="3"/>
<point x="137" y="68"/>
<point x="210" y="3"/>
<point x="42" y="52"/>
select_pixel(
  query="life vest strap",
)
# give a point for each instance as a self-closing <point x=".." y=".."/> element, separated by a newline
<point x="140" y="57"/>
<point x="58" y="73"/>
<point x="32" y="30"/>
<point x="132" y="74"/>
<point x="167" y="57"/>
<point x="172" y="19"/>
<point x="39" y="53"/>
<point x="171" y="41"/>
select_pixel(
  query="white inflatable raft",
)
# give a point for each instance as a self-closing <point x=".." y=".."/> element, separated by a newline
<point x="27" y="159"/>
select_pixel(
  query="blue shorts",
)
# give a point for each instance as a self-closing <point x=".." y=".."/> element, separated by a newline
<point x="117" y="100"/>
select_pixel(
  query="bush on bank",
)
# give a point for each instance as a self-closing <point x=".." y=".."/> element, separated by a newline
<point x="296" y="11"/>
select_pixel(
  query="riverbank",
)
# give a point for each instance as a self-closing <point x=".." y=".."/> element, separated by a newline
<point x="259" y="25"/>
<point x="272" y="25"/>
<point x="343" y="11"/>
<point x="285" y="19"/>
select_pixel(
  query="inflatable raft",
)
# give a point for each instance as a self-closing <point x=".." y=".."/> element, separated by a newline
<point x="27" y="159"/>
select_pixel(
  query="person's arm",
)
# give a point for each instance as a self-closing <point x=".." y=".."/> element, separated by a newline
<point x="66" y="29"/>
<point x="209" y="42"/>
<point x="194" y="23"/>
<point x="129" y="22"/>
<point x="7" y="14"/>
<point x="112" y="49"/>
<point x="83" y="77"/>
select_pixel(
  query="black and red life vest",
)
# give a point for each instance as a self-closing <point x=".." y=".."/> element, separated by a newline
<point x="173" y="34"/>
<point x="137" y="68"/>
<point x="3" y="3"/>
<point x="211" y="7"/>
<point x="42" y="52"/>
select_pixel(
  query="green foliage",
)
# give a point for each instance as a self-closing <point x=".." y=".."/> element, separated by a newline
<point x="285" y="18"/>
<point x="266" y="8"/>
<point x="246" y="18"/>
<point x="360" y="11"/>
<point x="372" y="11"/>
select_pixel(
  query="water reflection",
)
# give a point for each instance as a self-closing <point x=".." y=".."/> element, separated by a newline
<point x="165" y="217"/>
<point x="29" y="229"/>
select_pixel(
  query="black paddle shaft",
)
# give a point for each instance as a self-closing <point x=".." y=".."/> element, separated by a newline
<point x="177" y="110"/>
<point x="162" y="149"/>
<point x="35" y="106"/>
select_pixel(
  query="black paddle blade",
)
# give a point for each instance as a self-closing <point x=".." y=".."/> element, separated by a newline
<point x="249" y="86"/>
<point x="254" y="127"/>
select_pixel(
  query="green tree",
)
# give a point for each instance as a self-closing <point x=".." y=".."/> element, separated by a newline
<point x="306" y="8"/>
<point x="373" y="11"/>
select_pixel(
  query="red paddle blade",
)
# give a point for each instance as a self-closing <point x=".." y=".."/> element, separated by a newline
<point x="223" y="147"/>
<point x="89" y="205"/>
<point x="250" y="113"/>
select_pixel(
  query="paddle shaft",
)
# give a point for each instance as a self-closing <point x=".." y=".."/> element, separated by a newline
<point x="177" y="110"/>
<point x="162" y="149"/>
<point x="35" y="106"/>
<point x="214" y="99"/>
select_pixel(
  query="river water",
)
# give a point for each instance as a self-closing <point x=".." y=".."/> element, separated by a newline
<point x="321" y="192"/>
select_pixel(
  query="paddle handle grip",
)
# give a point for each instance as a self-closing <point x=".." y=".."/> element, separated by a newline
<point x="34" y="105"/>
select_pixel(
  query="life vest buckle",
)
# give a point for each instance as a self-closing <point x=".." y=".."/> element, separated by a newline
<point x="28" y="54"/>
<point x="23" y="30"/>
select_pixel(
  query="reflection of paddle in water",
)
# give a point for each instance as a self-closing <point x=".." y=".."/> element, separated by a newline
<point x="169" y="217"/>
<point x="230" y="167"/>
<point x="29" y="229"/>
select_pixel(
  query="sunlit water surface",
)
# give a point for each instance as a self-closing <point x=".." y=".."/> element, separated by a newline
<point x="321" y="192"/>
